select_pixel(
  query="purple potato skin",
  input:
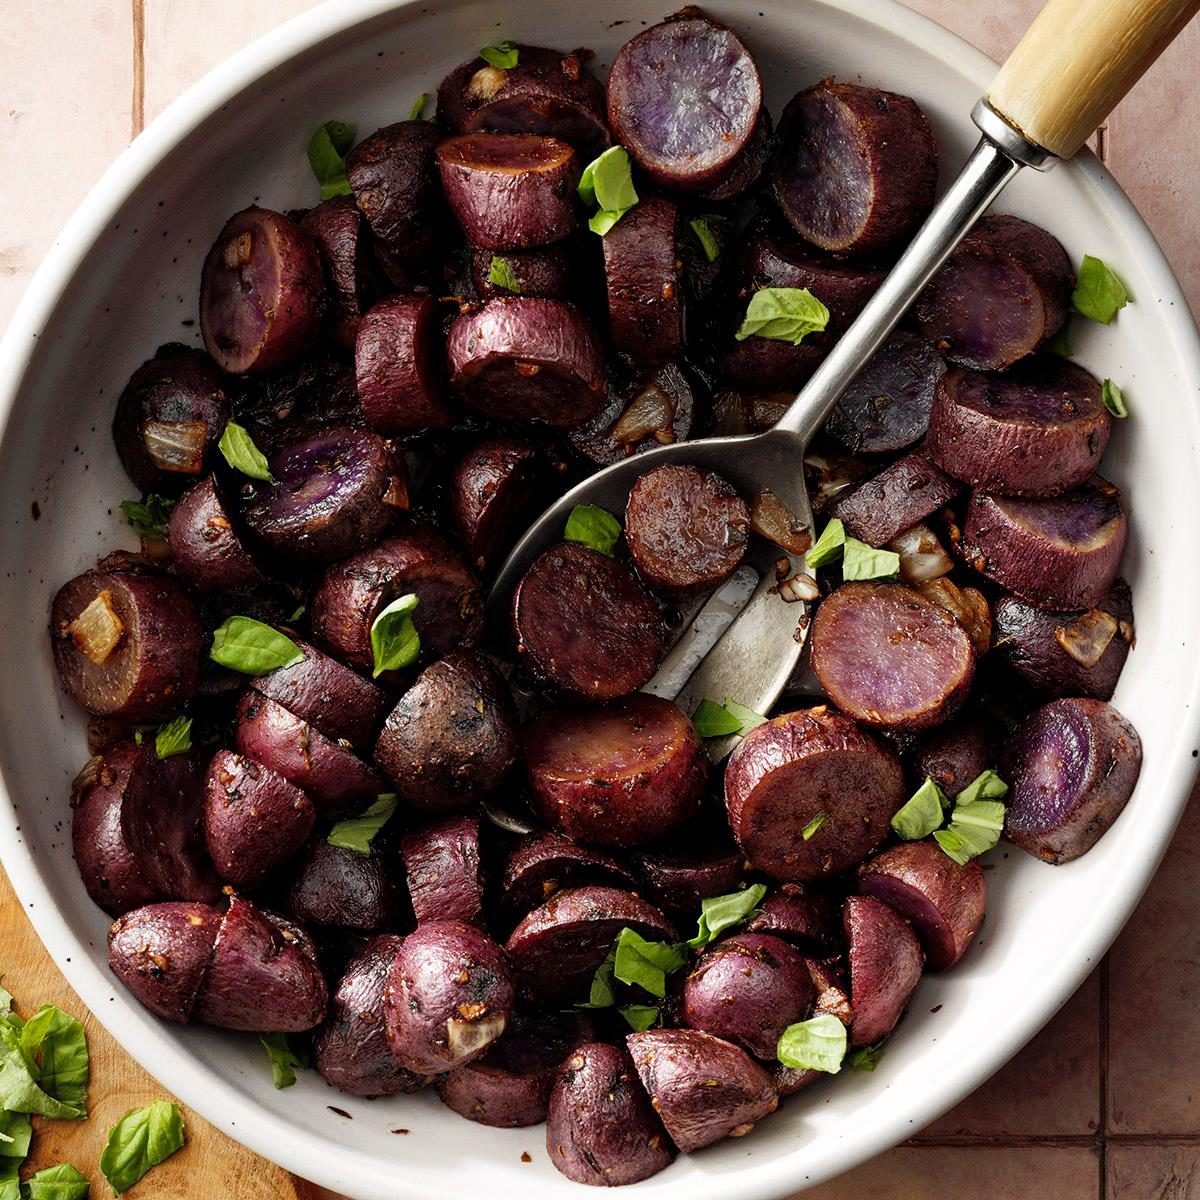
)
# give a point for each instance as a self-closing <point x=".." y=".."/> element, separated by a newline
<point x="944" y="902"/>
<point x="678" y="1068"/>
<point x="679" y="878"/>
<point x="451" y="741"/>
<point x="556" y="948"/>
<point x="260" y="293"/>
<point x="161" y="953"/>
<point x="828" y="979"/>
<point x="959" y="752"/>
<point x="442" y="865"/>
<point x="800" y="916"/>
<point x="342" y="888"/>
<point x="340" y="231"/>
<point x="351" y="1051"/>
<point x="885" y="967"/>
<point x="543" y="864"/>
<point x="1071" y="766"/>
<point x="600" y="1127"/>
<point x="748" y="989"/>
<point x="448" y="998"/>
<point x="178" y="385"/>
<point x="207" y="552"/>
<point x="263" y="976"/>
<point x="254" y="820"/>
<point x="546" y="271"/>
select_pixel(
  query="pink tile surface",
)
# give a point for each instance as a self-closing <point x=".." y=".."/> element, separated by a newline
<point x="1161" y="1172"/>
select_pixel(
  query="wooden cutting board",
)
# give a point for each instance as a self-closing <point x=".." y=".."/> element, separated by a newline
<point x="209" y="1167"/>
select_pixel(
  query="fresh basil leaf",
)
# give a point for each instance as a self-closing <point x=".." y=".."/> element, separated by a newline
<point x="500" y="274"/>
<point x="62" y="1182"/>
<point x="639" y="1016"/>
<point x="1099" y="295"/>
<point x="138" y="737"/>
<point x="246" y="645"/>
<point x="327" y="156"/>
<point x="1059" y="344"/>
<point x="860" y="561"/>
<point x="593" y="527"/>
<point x="505" y="56"/>
<point x="985" y="786"/>
<point x="818" y="1044"/>
<point x="395" y="643"/>
<point x="828" y="547"/>
<point x="242" y="454"/>
<point x="711" y="720"/>
<point x="975" y="827"/>
<point x="19" y="1090"/>
<point x="1110" y="394"/>
<point x="148" y="517"/>
<point x="601" y="221"/>
<point x="418" y="108"/>
<point x="866" y="1058"/>
<point x="646" y="964"/>
<point x="140" y="1140"/>
<point x="285" y="1059"/>
<point x="10" y="1180"/>
<point x="607" y="182"/>
<point x="783" y="315"/>
<point x="5" y="1000"/>
<point x="922" y="814"/>
<point x="747" y="717"/>
<point x="815" y="826"/>
<point x="703" y="230"/>
<point x="603" y="993"/>
<point x="175" y="737"/>
<point x="16" y="1132"/>
<point x="297" y="612"/>
<point x="357" y="833"/>
<point x="719" y="913"/>
<point x="54" y="1042"/>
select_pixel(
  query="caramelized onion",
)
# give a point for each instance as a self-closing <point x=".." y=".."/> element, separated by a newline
<point x="651" y="414"/>
<point x="772" y="519"/>
<point x="967" y="606"/>
<point x="486" y="82"/>
<point x="829" y="474"/>
<point x="799" y="587"/>
<point x="1086" y="638"/>
<point x="176" y="445"/>
<point x="922" y="556"/>
<point x="97" y="630"/>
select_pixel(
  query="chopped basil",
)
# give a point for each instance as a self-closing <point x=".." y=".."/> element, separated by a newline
<point x="719" y="913"/>
<point x="646" y="964"/>
<point x="922" y="814"/>
<point x="717" y="720"/>
<point x="297" y="612"/>
<point x="246" y="645"/>
<point x="505" y="55"/>
<point x="702" y="228"/>
<point x="395" y="643"/>
<point x="828" y="547"/>
<point x="16" y="1132"/>
<point x="43" y="1070"/>
<point x="783" y="315"/>
<point x="175" y="737"/>
<point x="985" y="786"/>
<point x="607" y="182"/>
<point x="10" y="1179"/>
<point x="747" y="716"/>
<point x="285" y="1059"/>
<point x="1059" y="343"/>
<point x="866" y="1058"/>
<point x="418" y="108"/>
<point x="818" y="1044"/>
<point x="500" y="274"/>
<point x="242" y="454"/>
<point x="815" y="826"/>
<point x="974" y="828"/>
<point x="603" y="993"/>
<point x="1113" y="400"/>
<point x="140" y="1140"/>
<point x="639" y="1016"/>
<point x="860" y="561"/>
<point x="327" y="156"/>
<point x="593" y="527"/>
<point x="61" y="1182"/>
<point x="1099" y="295"/>
<point x="148" y="517"/>
<point x="357" y="833"/>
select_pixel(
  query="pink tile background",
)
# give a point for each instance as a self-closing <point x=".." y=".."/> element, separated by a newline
<point x="1105" y="1103"/>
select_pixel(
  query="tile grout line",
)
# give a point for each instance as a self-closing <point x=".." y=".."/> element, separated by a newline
<point x="1102" y="1190"/>
<point x="138" y="105"/>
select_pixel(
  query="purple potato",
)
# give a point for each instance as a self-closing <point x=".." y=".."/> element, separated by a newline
<point x="958" y="752"/>
<point x="800" y="915"/>
<point x="885" y="967"/>
<point x="828" y="979"/>
<point x="351" y="277"/>
<point x="547" y="271"/>
<point x="543" y="864"/>
<point x="442" y="866"/>
<point x="751" y="164"/>
<point x="337" y="887"/>
<point x="207" y="552"/>
<point x="678" y="878"/>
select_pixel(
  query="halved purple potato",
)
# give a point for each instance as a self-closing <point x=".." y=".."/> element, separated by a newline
<point x="328" y="497"/>
<point x="547" y="92"/>
<point x="351" y="594"/>
<point x="1004" y="291"/>
<point x="902" y="495"/>
<point x="703" y="1087"/>
<point x="510" y="191"/>
<point x="263" y="976"/>
<point x="829" y="983"/>
<point x="161" y="952"/>
<point x="448" y="998"/>
<point x="791" y="771"/>
<point x="351" y="276"/>
<point x="443" y="869"/>
<point x="751" y="163"/>
<point x="748" y="989"/>
<point x="1066" y="653"/>
<point x="889" y="657"/>
<point x="126" y="644"/>
<point x="556" y="948"/>
<point x="393" y="174"/>
<point x="206" y="550"/>
<point x="666" y="75"/>
<point x="547" y="271"/>
<point x="885" y="967"/>
<point x="643" y="274"/>
<point x="677" y="877"/>
<point x="687" y="530"/>
<point x="543" y="864"/>
<point x="1071" y="767"/>
<point x="351" y="1051"/>
<point x="260" y="293"/>
<point x="336" y="701"/>
<point x="338" y="887"/>
<point x="800" y="915"/>
<point x="397" y="366"/>
<point x="886" y="407"/>
<point x="522" y="358"/>
<point x="624" y="774"/>
<point x="958" y="752"/>
<point x="1039" y="430"/>
<point x="855" y="168"/>
<point x="169" y="419"/>
<point x="1060" y="553"/>
<point x="254" y="820"/>
<point x="600" y="1126"/>
<point x="606" y="647"/>
<point x="332" y="775"/>
<point x="451" y="741"/>
<point x="944" y="902"/>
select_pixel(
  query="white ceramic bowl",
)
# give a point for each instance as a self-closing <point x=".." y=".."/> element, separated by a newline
<point x="124" y="276"/>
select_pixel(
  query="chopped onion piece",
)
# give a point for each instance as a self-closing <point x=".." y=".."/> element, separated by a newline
<point x="967" y="605"/>
<point x="922" y="556"/>
<point x="466" y="1036"/>
<point x="97" y="630"/>
<point x="651" y="413"/>
<point x="737" y="412"/>
<point x="176" y="445"/>
<point x="1086" y="638"/>
<point x="799" y="587"/>
<point x="772" y="519"/>
<point x="397" y="493"/>
<point x="486" y="82"/>
<point x="829" y="474"/>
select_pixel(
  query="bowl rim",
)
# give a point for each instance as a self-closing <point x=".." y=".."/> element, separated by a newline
<point x="275" y="1138"/>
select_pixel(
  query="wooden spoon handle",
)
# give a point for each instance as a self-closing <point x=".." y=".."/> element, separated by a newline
<point x="1077" y="60"/>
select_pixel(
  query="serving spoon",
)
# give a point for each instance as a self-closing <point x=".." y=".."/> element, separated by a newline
<point x="1074" y="63"/>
